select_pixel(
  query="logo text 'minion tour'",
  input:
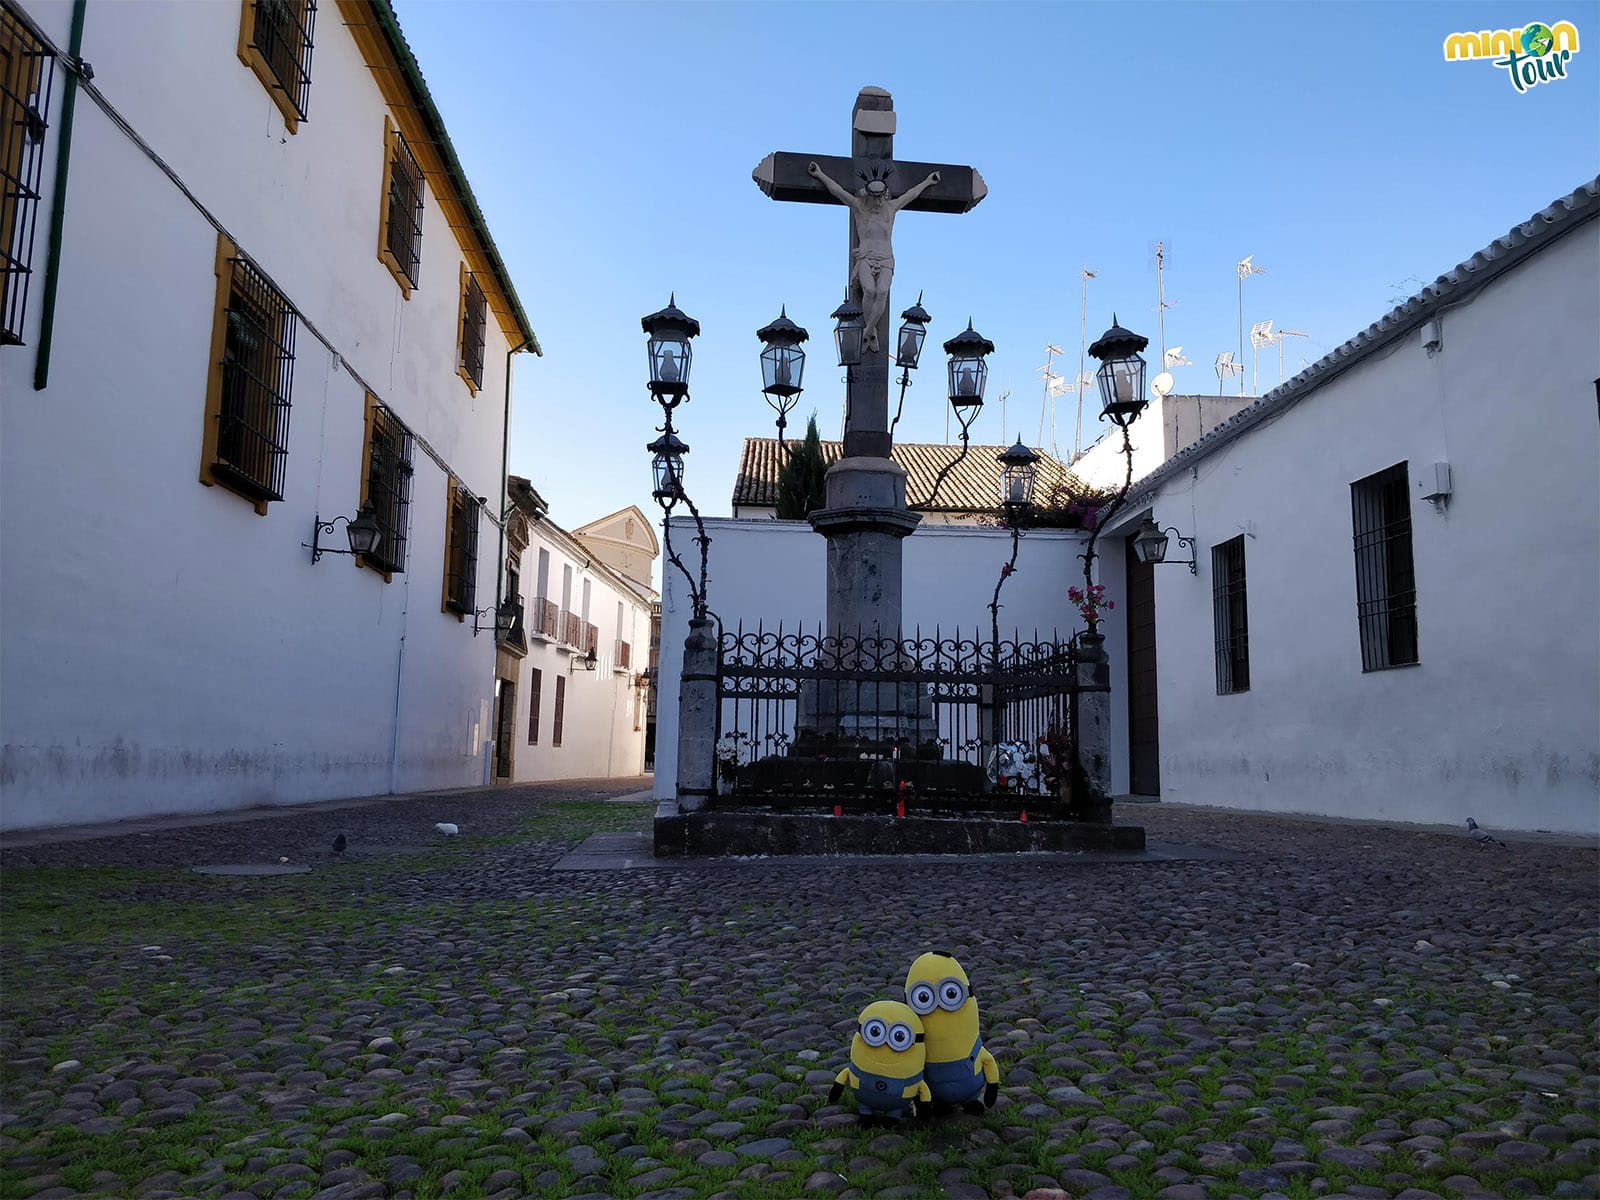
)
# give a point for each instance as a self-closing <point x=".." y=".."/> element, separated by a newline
<point x="1532" y="55"/>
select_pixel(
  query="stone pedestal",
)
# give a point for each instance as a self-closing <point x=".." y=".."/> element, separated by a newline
<point x="1094" y="732"/>
<point x="697" y="718"/>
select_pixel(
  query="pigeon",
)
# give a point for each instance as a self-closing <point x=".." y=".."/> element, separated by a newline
<point x="1480" y="836"/>
<point x="339" y="844"/>
<point x="447" y="829"/>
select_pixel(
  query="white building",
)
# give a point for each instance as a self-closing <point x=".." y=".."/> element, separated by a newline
<point x="1168" y="425"/>
<point x="571" y="689"/>
<point x="275" y="303"/>
<point x="1395" y="610"/>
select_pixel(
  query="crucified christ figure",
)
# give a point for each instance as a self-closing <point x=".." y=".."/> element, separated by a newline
<point x="872" y="259"/>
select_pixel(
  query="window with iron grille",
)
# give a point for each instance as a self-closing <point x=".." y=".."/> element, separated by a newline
<point x="402" y="224"/>
<point x="474" y="331"/>
<point x="275" y="43"/>
<point x="1386" y="582"/>
<point x="388" y="485"/>
<point x="535" y="685"/>
<point x="561" y="710"/>
<point x="461" y="552"/>
<point x="256" y="375"/>
<point x="1229" y="617"/>
<point x="27" y="70"/>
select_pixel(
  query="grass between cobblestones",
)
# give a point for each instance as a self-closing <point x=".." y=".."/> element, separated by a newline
<point x="461" y="1020"/>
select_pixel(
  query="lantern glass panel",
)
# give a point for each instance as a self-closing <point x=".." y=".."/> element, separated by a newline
<point x="1122" y="386"/>
<point x="1016" y="484"/>
<point x="670" y="358"/>
<point x="1150" y="546"/>
<point x="782" y="368"/>
<point x="910" y="348"/>
<point x="364" y="533"/>
<point x="669" y="474"/>
<point x="967" y="378"/>
<point x="847" y="336"/>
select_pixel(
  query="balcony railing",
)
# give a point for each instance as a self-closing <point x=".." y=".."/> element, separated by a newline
<point x="545" y="622"/>
<point x="571" y="629"/>
<point x="591" y="639"/>
<point x="622" y="655"/>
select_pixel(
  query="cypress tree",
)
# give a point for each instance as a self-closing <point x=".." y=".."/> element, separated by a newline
<point x="800" y="482"/>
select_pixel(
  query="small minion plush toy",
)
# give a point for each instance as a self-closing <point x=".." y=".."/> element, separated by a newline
<point x="958" y="1069"/>
<point x="886" y="1058"/>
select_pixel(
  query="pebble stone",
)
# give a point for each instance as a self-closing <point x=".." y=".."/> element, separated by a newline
<point x="1310" y="1014"/>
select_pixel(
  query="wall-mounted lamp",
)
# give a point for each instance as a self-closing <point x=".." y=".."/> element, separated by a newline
<point x="505" y="618"/>
<point x="587" y="661"/>
<point x="363" y="533"/>
<point x="1150" y="545"/>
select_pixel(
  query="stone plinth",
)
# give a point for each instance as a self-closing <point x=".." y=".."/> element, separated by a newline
<point x="712" y="833"/>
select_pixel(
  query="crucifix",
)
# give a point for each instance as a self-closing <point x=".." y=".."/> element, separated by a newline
<point x="866" y="519"/>
<point x="874" y="187"/>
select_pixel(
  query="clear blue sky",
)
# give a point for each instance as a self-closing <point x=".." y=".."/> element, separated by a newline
<point x="611" y="146"/>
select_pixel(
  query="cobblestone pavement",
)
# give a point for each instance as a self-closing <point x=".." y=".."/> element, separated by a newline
<point x="1341" y="1009"/>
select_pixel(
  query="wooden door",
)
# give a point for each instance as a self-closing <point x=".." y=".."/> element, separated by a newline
<point x="1144" y="744"/>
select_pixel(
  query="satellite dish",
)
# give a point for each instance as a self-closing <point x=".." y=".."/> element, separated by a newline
<point x="1162" y="384"/>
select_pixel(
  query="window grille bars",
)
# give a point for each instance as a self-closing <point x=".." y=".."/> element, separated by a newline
<point x="405" y="210"/>
<point x="27" y="72"/>
<point x="257" y="377"/>
<point x="1386" y="583"/>
<point x="474" y="331"/>
<point x="1230" y="617"/>
<point x="281" y="32"/>
<point x="389" y="486"/>
<point x="461" y="567"/>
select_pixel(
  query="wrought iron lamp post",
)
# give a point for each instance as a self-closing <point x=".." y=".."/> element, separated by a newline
<point x="783" y="366"/>
<point x="1150" y="545"/>
<point x="968" y="373"/>
<point x="1122" y="398"/>
<point x="1017" y="475"/>
<point x="505" y="619"/>
<point x="670" y="357"/>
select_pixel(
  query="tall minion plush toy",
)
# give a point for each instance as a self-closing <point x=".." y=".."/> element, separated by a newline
<point x="886" y="1060"/>
<point x="959" y="1070"/>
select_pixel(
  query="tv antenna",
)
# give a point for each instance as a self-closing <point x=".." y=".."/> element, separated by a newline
<point x="1083" y="340"/>
<point x="1161" y="251"/>
<point x="1175" y="358"/>
<point x="1054" y="385"/>
<point x="1246" y="268"/>
<point x="1225" y="366"/>
<point x="1260" y="335"/>
<point x="1278" y="337"/>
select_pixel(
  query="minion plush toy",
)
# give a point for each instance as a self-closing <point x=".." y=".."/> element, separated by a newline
<point x="886" y="1057"/>
<point x="958" y="1069"/>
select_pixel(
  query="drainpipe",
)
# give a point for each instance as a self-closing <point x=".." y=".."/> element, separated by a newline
<point x="58" y="201"/>
<point x="505" y="465"/>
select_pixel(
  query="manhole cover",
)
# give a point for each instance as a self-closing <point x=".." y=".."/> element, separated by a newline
<point x="254" y="869"/>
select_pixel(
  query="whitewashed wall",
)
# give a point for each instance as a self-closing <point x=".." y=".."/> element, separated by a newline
<point x="165" y="649"/>
<point x="1499" y="720"/>
<point x="602" y="706"/>
<point x="776" y="570"/>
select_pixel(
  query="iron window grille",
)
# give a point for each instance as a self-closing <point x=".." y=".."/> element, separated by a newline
<point x="561" y="710"/>
<point x="1386" y="581"/>
<point x="27" y="71"/>
<point x="257" y="376"/>
<point x="461" y="554"/>
<point x="405" y="210"/>
<point x="535" y="686"/>
<point x="1229" y="616"/>
<point x="474" y="331"/>
<point x="281" y="32"/>
<point x="389" y="487"/>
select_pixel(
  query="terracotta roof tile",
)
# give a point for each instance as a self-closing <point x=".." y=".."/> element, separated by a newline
<point x="973" y="485"/>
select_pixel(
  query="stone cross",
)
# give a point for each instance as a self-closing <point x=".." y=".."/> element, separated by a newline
<point x="957" y="189"/>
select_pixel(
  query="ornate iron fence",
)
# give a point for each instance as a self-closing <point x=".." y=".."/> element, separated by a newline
<point x="866" y="721"/>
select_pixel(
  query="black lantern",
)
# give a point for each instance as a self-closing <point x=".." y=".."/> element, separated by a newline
<point x="1121" y="374"/>
<point x="783" y="363"/>
<point x="668" y="467"/>
<point x="670" y="331"/>
<point x="848" y="332"/>
<point x="364" y="532"/>
<point x="909" y="348"/>
<point x="968" y="371"/>
<point x="1150" y="544"/>
<point x="1017" y="474"/>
